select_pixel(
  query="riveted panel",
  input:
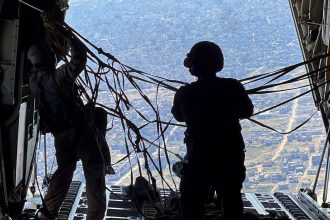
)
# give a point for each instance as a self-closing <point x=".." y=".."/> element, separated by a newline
<point x="8" y="53"/>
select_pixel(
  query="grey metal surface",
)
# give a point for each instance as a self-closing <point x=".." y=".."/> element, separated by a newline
<point x="261" y="205"/>
<point x="3" y="188"/>
<point x="1" y="4"/>
<point x="8" y="53"/>
<point x="313" y="207"/>
<point x="118" y="206"/>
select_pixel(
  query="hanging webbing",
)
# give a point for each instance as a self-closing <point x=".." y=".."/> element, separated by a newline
<point x="118" y="78"/>
<point x="281" y="72"/>
<point x="287" y="132"/>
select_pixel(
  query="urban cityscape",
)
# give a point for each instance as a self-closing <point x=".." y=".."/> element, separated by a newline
<point x="154" y="36"/>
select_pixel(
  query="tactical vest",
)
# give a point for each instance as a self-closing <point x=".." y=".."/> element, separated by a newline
<point x="58" y="111"/>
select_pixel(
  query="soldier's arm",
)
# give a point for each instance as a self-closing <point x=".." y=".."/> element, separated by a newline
<point x="245" y="105"/>
<point x="78" y="59"/>
<point x="176" y="107"/>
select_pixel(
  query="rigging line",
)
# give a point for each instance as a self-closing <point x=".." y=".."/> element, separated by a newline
<point x="118" y="114"/>
<point x="144" y="139"/>
<point x="149" y="173"/>
<point x="151" y="143"/>
<point x="123" y="158"/>
<point x="265" y="75"/>
<point x="143" y="80"/>
<point x="286" y="72"/>
<point x="124" y="76"/>
<point x="158" y="146"/>
<point x="124" y="98"/>
<point x="122" y="198"/>
<point x="127" y="149"/>
<point x="276" y="91"/>
<point x="132" y="69"/>
<point x="150" y="76"/>
<point x="138" y="162"/>
<point x="97" y="82"/>
<point x="293" y="80"/>
<point x="163" y="122"/>
<point x="160" y="129"/>
<point x="252" y="120"/>
<point x="282" y="103"/>
<point x="111" y="57"/>
<point x="156" y="82"/>
<point x="148" y="170"/>
<point x="164" y="85"/>
<point x="164" y="139"/>
<point x="135" y="85"/>
<point x="159" y="171"/>
<point x="279" y="76"/>
<point x="101" y="63"/>
<point x="284" y="133"/>
<point x="146" y="98"/>
<point x="117" y="95"/>
<point x="148" y="141"/>
<point x="98" y="49"/>
<point x="289" y="100"/>
<point x="258" y="89"/>
<point x="297" y="79"/>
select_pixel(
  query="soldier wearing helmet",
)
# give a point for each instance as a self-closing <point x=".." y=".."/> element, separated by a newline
<point x="211" y="107"/>
<point x="62" y="113"/>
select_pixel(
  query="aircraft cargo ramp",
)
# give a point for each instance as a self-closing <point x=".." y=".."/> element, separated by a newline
<point x="256" y="206"/>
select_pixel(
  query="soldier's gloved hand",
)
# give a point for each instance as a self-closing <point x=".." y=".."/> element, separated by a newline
<point x="109" y="170"/>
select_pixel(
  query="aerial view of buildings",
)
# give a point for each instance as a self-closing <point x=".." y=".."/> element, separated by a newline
<point x="154" y="36"/>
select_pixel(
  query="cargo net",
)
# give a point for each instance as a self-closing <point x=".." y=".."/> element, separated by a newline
<point x="143" y="134"/>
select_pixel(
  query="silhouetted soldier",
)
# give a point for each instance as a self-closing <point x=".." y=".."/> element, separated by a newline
<point x="211" y="108"/>
<point x="62" y="113"/>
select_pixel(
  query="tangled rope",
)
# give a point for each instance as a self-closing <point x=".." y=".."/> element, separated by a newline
<point x="119" y="78"/>
<point x="105" y="70"/>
